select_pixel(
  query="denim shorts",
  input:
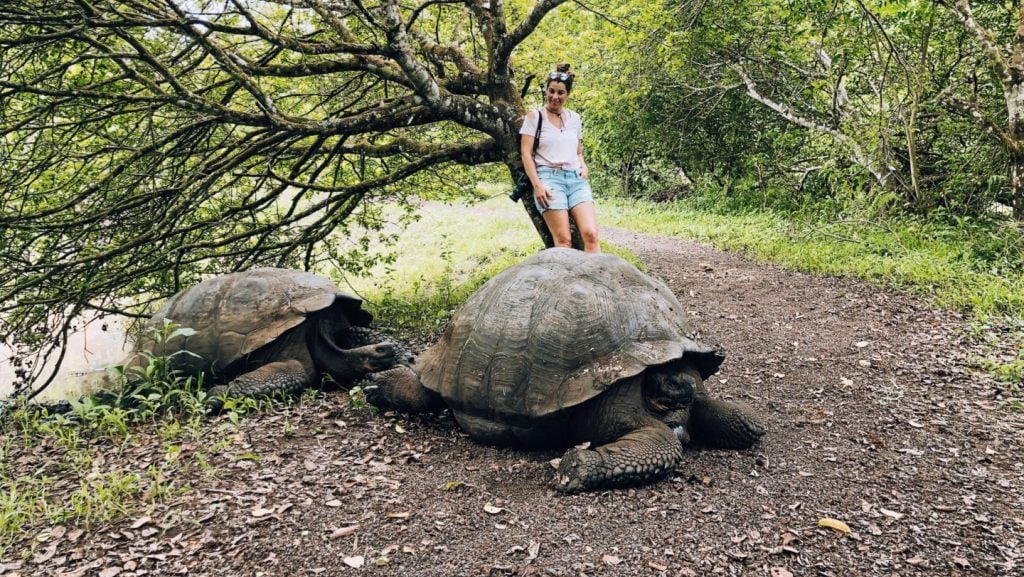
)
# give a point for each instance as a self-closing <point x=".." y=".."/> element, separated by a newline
<point x="566" y="186"/>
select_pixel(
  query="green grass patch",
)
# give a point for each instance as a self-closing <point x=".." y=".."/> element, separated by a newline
<point x="440" y="259"/>
<point x="444" y="256"/>
<point x="977" y="269"/>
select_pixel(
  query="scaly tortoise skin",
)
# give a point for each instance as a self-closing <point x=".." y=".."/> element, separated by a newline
<point x="270" y="329"/>
<point x="568" y="348"/>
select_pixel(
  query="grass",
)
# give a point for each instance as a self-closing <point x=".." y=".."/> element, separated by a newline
<point x="91" y="449"/>
<point x="971" y="267"/>
<point x="939" y="263"/>
<point x="440" y="260"/>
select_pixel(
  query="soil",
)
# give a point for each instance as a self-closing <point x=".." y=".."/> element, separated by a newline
<point x="887" y="454"/>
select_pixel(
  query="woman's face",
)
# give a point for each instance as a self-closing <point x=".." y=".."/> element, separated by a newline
<point x="556" y="95"/>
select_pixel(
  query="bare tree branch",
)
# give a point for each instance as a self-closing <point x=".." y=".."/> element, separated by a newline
<point x="148" y="143"/>
<point x="857" y="153"/>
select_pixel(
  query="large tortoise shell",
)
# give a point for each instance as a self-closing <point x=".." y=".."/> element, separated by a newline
<point x="557" y="330"/>
<point x="238" y="313"/>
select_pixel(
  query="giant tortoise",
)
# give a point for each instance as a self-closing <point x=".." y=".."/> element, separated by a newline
<point x="568" y="348"/>
<point x="270" y="329"/>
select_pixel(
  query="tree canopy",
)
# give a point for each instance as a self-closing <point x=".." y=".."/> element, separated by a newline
<point x="908" y="105"/>
<point x="147" y="143"/>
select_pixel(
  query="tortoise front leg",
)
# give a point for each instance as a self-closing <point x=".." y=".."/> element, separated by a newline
<point x="723" y="425"/>
<point x="286" y="376"/>
<point x="642" y="455"/>
<point x="400" y="389"/>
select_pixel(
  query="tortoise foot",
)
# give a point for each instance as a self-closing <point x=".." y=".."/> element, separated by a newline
<point x="579" y="470"/>
<point x="725" y="425"/>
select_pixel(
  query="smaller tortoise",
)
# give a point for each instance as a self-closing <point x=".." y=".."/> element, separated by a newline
<point x="270" y="329"/>
<point x="568" y="348"/>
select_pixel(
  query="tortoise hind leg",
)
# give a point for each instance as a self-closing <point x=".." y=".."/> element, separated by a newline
<point x="642" y="455"/>
<point x="289" y="376"/>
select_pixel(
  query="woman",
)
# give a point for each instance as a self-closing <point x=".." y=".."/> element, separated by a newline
<point x="558" y="172"/>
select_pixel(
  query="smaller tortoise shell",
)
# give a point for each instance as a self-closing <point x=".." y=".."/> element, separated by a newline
<point x="238" y="313"/>
<point x="555" y="331"/>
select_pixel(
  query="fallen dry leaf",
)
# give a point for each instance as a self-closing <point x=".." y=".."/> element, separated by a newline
<point x="834" y="524"/>
<point x="46" y="555"/>
<point x="261" y="512"/>
<point x="892" y="514"/>
<point x="491" y="509"/>
<point x="344" y="531"/>
<point x="354" y="562"/>
<point x="611" y="560"/>
<point x="401" y="515"/>
<point x="110" y="572"/>
<point x="780" y="572"/>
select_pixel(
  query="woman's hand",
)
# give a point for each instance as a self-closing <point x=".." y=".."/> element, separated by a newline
<point x="543" y="196"/>
<point x="584" y="172"/>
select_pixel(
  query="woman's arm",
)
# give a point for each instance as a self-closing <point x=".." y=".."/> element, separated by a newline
<point x="526" y="151"/>
<point x="584" y="171"/>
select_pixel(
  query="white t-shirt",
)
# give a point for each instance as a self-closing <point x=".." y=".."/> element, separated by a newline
<point x="558" y="144"/>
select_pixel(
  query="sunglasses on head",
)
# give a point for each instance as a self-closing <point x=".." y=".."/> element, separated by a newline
<point x="560" y="76"/>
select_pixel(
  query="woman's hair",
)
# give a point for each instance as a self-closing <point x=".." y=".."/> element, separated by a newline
<point x="561" y="74"/>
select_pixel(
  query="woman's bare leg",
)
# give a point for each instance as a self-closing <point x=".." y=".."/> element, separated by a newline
<point x="585" y="216"/>
<point x="558" y="224"/>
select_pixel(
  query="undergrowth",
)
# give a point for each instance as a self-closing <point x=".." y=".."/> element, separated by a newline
<point x="89" y="442"/>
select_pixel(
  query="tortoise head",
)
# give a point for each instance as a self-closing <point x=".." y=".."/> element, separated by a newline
<point x="672" y="389"/>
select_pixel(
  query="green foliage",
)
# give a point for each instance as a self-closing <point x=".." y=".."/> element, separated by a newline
<point x="190" y="138"/>
<point x="441" y="258"/>
<point x="798" y="107"/>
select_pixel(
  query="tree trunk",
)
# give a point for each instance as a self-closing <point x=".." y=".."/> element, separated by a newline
<point x="1017" y="186"/>
<point x="1014" y="94"/>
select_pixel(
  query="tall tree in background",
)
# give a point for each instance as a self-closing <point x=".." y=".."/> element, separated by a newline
<point x="145" y="143"/>
<point x="1005" y="53"/>
<point x="856" y="106"/>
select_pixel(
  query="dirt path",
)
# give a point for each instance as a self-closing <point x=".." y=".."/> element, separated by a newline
<point x="875" y="421"/>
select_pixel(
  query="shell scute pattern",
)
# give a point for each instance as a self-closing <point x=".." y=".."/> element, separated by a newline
<point x="236" y="314"/>
<point x="554" y="332"/>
